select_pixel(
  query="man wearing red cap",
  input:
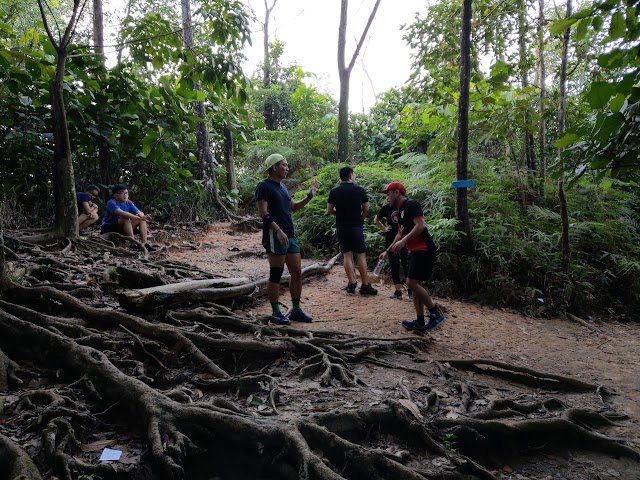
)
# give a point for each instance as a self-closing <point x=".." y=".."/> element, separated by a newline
<point x="413" y="234"/>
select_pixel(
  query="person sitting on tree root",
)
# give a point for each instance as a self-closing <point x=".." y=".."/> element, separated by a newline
<point x="87" y="210"/>
<point x="123" y="217"/>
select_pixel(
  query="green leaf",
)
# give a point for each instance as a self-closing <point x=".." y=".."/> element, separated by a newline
<point x="599" y="94"/>
<point x="559" y="26"/>
<point x="597" y="23"/>
<point x="581" y="31"/>
<point x="609" y="127"/>
<point x="617" y="29"/>
<point x="566" y="140"/>
<point x="618" y="103"/>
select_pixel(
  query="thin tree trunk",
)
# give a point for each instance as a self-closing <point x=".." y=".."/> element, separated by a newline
<point x="98" y="28"/>
<point x="206" y="171"/>
<point x="566" y="252"/>
<point x="121" y="46"/>
<point x="522" y="43"/>
<point x="232" y="183"/>
<point x="64" y="191"/>
<point x="266" y="63"/>
<point x="103" y="146"/>
<point x="462" y="208"/>
<point x="542" y="74"/>
<point x="344" y="72"/>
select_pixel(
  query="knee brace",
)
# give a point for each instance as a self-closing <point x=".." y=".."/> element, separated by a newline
<point x="275" y="274"/>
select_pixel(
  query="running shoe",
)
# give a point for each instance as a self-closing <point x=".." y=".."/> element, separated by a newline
<point x="300" y="316"/>
<point x="414" y="326"/>
<point x="351" y="287"/>
<point x="397" y="295"/>
<point x="367" y="289"/>
<point x="435" y="320"/>
<point x="279" y="319"/>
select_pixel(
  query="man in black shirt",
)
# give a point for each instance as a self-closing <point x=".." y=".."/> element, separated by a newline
<point x="390" y="230"/>
<point x="350" y="204"/>
<point x="413" y="234"/>
<point x="274" y="207"/>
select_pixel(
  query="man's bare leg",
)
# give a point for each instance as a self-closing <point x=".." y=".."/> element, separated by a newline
<point x="348" y="267"/>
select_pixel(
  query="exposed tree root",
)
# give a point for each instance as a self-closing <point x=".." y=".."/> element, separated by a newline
<point x="526" y="376"/>
<point x="550" y="432"/>
<point x="15" y="464"/>
<point x="214" y="395"/>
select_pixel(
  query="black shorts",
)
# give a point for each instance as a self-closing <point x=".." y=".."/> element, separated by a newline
<point x="351" y="239"/>
<point x="420" y="264"/>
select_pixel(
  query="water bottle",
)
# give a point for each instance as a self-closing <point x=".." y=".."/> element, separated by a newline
<point x="378" y="270"/>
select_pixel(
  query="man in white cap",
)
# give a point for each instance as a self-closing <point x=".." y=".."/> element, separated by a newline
<point x="275" y="206"/>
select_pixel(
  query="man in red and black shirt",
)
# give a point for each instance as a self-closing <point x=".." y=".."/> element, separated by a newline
<point x="413" y="234"/>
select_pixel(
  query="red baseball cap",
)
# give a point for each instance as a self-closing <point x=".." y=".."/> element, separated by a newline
<point x="395" y="186"/>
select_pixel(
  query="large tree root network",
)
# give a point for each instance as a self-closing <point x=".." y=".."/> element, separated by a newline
<point x="187" y="388"/>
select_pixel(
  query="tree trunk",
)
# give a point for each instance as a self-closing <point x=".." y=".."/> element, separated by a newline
<point x="462" y="208"/>
<point x="64" y="190"/>
<point x="206" y="171"/>
<point x="542" y="126"/>
<point x="98" y="28"/>
<point x="524" y="69"/>
<point x="344" y="72"/>
<point x="103" y="146"/>
<point x="232" y="183"/>
<point x="566" y="249"/>
<point x="266" y="63"/>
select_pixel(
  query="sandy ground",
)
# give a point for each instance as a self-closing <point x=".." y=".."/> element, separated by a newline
<point x="607" y="354"/>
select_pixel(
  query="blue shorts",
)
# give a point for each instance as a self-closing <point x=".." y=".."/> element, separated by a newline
<point x="351" y="239"/>
<point x="273" y="245"/>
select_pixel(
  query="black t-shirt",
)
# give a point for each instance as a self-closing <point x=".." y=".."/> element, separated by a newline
<point x="407" y="212"/>
<point x="278" y="204"/>
<point x="390" y="214"/>
<point x="347" y="198"/>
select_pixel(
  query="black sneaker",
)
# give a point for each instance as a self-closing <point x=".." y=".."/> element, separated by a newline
<point x="351" y="287"/>
<point x="397" y="295"/>
<point x="149" y="247"/>
<point x="367" y="289"/>
<point x="410" y="293"/>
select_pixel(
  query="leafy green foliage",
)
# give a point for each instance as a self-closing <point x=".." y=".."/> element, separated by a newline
<point x="608" y="141"/>
<point x="517" y="248"/>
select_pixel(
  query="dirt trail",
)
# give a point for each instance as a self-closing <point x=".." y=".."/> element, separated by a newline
<point x="607" y="354"/>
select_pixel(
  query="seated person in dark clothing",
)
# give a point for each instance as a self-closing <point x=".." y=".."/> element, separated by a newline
<point x="123" y="216"/>
<point x="87" y="210"/>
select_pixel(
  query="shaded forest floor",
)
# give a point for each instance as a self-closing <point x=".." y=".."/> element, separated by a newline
<point x="198" y="384"/>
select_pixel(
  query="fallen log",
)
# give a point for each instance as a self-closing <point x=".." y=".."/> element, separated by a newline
<point x="149" y="297"/>
<point x="155" y="297"/>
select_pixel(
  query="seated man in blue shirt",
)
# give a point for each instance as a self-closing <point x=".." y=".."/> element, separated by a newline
<point x="123" y="216"/>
